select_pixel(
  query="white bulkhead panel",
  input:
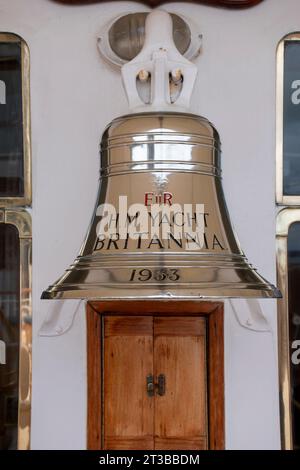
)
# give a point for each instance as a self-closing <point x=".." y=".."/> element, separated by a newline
<point x="73" y="96"/>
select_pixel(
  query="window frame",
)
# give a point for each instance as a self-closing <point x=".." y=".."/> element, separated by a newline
<point x="25" y="200"/>
<point x="21" y="219"/>
<point x="280" y="197"/>
<point x="285" y="218"/>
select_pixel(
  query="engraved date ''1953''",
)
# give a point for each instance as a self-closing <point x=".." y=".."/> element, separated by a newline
<point x="160" y="275"/>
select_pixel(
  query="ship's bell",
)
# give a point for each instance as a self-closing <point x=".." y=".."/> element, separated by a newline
<point x="167" y="166"/>
<point x="160" y="228"/>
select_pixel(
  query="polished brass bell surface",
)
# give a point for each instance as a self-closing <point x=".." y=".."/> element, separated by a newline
<point x="160" y="228"/>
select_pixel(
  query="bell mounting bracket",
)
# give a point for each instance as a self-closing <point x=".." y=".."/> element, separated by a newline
<point x="159" y="77"/>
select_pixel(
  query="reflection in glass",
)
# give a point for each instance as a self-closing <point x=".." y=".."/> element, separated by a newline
<point x="294" y="318"/>
<point x="9" y="335"/>
<point x="11" y="121"/>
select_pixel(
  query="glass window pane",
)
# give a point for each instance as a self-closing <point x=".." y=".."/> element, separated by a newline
<point x="9" y="335"/>
<point x="291" y="119"/>
<point x="294" y="316"/>
<point x="11" y="121"/>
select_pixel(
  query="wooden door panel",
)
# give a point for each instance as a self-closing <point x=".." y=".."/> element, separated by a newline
<point x="180" y="354"/>
<point x="179" y="326"/>
<point x="181" y="443"/>
<point x="129" y="443"/>
<point x="128" y="359"/>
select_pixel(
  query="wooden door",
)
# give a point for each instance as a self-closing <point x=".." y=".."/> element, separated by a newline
<point x="128" y="359"/>
<point x="136" y="347"/>
<point x="180" y="354"/>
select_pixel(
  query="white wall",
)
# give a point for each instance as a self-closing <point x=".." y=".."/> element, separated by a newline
<point x="73" y="96"/>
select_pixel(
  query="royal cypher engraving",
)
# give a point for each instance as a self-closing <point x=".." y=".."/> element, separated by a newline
<point x="160" y="224"/>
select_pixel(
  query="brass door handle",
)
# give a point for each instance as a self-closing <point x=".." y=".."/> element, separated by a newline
<point x="160" y="385"/>
<point x="150" y="386"/>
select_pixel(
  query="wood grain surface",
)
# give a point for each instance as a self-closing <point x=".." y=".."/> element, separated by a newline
<point x="180" y="354"/>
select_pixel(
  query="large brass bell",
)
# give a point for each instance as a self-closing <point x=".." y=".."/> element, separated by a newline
<point x="161" y="161"/>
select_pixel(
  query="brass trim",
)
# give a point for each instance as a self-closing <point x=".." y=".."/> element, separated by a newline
<point x="280" y="198"/>
<point x="22" y="221"/>
<point x="25" y="72"/>
<point x="285" y="218"/>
